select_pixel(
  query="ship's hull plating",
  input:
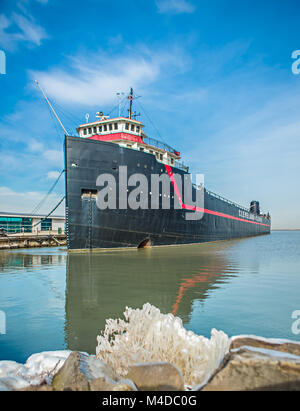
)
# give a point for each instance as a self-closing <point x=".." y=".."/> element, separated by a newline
<point x="88" y="227"/>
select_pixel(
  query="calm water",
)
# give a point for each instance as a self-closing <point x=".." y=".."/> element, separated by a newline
<point x="53" y="300"/>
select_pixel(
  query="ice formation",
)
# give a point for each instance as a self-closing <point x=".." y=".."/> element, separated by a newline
<point x="147" y="335"/>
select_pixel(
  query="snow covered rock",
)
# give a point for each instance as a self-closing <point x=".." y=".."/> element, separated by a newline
<point x="287" y="346"/>
<point x="79" y="370"/>
<point x="256" y="368"/>
<point x="38" y="368"/>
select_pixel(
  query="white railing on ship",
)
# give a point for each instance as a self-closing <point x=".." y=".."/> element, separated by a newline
<point x="222" y="198"/>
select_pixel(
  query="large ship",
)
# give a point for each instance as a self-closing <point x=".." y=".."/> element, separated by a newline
<point x="101" y="164"/>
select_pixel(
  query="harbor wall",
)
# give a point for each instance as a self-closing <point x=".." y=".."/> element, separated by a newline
<point x="30" y="241"/>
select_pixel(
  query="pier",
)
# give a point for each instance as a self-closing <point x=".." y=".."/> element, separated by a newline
<point x="30" y="240"/>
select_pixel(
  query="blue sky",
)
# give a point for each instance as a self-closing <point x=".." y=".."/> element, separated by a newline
<point x="215" y="79"/>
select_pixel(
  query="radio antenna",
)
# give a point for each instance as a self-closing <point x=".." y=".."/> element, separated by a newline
<point x="120" y="96"/>
<point x="50" y="105"/>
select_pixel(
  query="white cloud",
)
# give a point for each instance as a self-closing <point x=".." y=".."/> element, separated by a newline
<point x="97" y="82"/>
<point x="94" y="79"/>
<point x="35" y="146"/>
<point x="25" y="202"/>
<point x="31" y="31"/>
<point x="21" y="30"/>
<point x="53" y="175"/>
<point x="174" y="6"/>
<point x="54" y="156"/>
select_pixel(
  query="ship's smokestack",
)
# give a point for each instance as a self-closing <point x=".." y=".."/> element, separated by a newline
<point x="254" y="207"/>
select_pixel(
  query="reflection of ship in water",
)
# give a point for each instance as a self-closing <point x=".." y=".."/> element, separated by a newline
<point x="100" y="285"/>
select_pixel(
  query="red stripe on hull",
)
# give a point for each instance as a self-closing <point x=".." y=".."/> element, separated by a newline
<point x="203" y="210"/>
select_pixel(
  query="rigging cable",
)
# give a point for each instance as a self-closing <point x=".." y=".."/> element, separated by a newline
<point x="153" y="125"/>
<point x="38" y="206"/>
<point x="57" y="205"/>
<point x="70" y="116"/>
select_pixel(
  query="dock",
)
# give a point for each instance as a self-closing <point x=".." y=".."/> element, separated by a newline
<point x="30" y="240"/>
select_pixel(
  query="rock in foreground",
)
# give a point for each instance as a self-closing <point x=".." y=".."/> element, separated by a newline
<point x="156" y="377"/>
<point x="82" y="372"/>
<point x="258" y="364"/>
<point x="250" y="363"/>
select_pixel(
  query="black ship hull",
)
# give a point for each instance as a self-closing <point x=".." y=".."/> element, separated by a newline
<point x="88" y="227"/>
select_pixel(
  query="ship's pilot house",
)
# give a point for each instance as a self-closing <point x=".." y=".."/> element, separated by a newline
<point x="129" y="133"/>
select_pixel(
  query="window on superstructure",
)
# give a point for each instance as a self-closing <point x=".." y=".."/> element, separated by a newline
<point x="105" y="127"/>
<point x="126" y="126"/>
<point x="110" y="127"/>
<point x="137" y="129"/>
<point x="90" y="130"/>
<point x="151" y="151"/>
<point x="100" y="129"/>
<point x="142" y="149"/>
<point x="129" y="145"/>
<point x="132" y="127"/>
<point x="116" y="126"/>
<point x="84" y="131"/>
<point x="160" y="156"/>
<point x="172" y="160"/>
<point x="95" y="129"/>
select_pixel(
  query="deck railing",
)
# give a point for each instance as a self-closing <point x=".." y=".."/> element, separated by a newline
<point x="181" y="166"/>
<point x="226" y="200"/>
<point x="211" y="193"/>
<point x="159" y="144"/>
<point x="235" y="204"/>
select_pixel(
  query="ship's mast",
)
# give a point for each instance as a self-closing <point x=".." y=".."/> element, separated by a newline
<point x="130" y="98"/>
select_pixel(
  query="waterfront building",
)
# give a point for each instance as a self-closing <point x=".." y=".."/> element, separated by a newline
<point x="15" y="223"/>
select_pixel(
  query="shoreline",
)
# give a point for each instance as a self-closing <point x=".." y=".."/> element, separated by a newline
<point x="130" y="356"/>
<point x="14" y="242"/>
<point x="274" y="362"/>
